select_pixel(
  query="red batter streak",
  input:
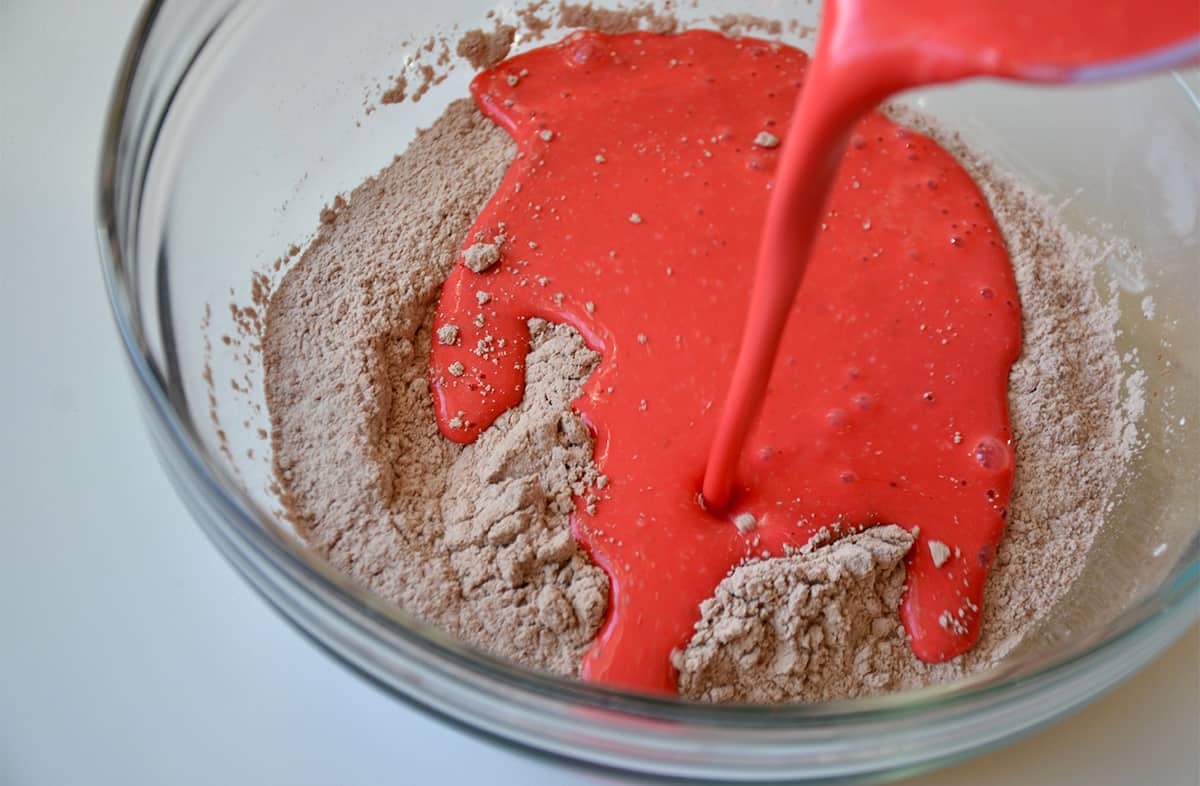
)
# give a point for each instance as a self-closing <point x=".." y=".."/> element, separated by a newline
<point x="639" y="188"/>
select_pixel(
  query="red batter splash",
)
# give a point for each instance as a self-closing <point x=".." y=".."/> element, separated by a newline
<point x="633" y="212"/>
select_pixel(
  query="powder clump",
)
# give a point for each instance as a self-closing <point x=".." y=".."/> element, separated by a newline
<point x="805" y="627"/>
<point x="484" y="50"/>
<point x="481" y="256"/>
<point x="766" y="139"/>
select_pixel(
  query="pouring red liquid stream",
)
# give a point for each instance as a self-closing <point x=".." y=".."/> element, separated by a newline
<point x="632" y="213"/>
<point x="870" y="49"/>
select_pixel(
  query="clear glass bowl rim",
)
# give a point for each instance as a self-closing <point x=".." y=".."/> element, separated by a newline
<point x="268" y="557"/>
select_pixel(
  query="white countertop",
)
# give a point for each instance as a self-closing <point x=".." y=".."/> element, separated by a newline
<point x="132" y="654"/>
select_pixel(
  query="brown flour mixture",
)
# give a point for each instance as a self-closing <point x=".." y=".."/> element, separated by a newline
<point x="476" y="540"/>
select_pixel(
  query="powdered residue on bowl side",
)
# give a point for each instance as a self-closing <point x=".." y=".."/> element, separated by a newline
<point x="429" y="61"/>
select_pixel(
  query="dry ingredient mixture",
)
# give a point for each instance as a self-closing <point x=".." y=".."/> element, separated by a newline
<point x="477" y="541"/>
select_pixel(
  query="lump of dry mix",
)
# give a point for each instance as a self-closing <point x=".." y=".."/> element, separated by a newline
<point x="508" y="497"/>
<point x="808" y="627"/>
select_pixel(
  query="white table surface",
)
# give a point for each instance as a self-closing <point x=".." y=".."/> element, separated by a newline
<point x="132" y="654"/>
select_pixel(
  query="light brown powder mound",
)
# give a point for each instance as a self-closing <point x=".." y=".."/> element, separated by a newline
<point x="1073" y="440"/>
<point x="506" y="506"/>
<point x="812" y="624"/>
<point x="475" y="541"/>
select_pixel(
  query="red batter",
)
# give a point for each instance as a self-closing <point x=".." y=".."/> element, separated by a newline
<point x="894" y="366"/>
<point x="633" y="213"/>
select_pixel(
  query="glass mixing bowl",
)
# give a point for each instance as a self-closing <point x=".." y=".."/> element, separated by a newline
<point x="232" y="123"/>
